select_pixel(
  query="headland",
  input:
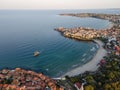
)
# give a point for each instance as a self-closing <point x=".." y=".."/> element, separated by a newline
<point x="82" y="33"/>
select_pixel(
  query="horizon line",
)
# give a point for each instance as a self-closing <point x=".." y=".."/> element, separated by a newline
<point x="63" y="9"/>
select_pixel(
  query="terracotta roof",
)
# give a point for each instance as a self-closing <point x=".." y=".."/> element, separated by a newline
<point x="78" y="84"/>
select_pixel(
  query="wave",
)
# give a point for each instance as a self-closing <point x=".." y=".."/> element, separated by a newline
<point x="97" y="46"/>
<point x="84" y="54"/>
<point x="47" y="69"/>
<point x="73" y="66"/>
<point x="83" y="59"/>
<point x="92" y="49"/>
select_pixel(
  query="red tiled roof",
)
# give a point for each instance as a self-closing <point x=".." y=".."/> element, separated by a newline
<point x="78" y="84"/>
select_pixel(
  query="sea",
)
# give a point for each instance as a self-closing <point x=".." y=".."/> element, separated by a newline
<point x="22" y="32"/>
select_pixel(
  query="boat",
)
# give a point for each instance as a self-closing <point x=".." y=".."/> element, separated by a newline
<point x="36" y="53"/>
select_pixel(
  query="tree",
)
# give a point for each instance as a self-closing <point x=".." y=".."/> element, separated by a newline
<point x="107" y="86"/>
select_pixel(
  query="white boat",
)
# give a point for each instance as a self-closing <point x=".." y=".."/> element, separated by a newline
<point x="36" y="53"/>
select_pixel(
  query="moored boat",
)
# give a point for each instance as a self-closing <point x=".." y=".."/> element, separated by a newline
<point x="36" y="53"/>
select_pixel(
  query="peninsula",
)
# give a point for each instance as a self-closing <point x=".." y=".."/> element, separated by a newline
<point x="81" y="33"/>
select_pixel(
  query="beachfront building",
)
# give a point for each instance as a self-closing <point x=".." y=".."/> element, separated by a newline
<point x="79" y="86"/>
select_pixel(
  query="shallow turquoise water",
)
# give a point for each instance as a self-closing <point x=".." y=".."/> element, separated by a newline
<point x="22" y="32"/>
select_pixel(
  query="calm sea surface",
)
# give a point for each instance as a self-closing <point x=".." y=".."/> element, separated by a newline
<point x="24" y="31"/>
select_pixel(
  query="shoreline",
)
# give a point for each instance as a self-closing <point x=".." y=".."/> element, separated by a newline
<point x="81" y="33"/>
<point x="92" y="64"/>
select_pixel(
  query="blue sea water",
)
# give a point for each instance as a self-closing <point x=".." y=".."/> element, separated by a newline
<point x="24" y="31"/>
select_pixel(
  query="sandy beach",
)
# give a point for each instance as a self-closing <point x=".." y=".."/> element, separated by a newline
<point x="92" y="65"/>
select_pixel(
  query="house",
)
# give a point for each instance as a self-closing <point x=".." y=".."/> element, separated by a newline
<point x="79" y="86"/>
